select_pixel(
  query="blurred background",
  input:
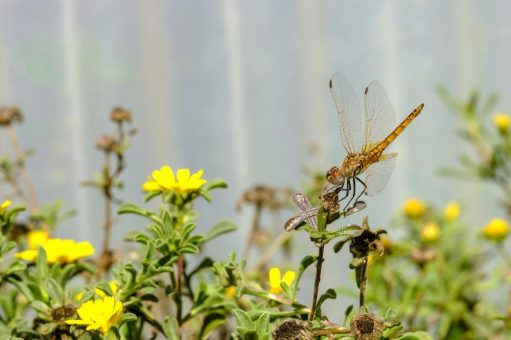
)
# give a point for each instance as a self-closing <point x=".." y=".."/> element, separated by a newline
<point x="240" y="89"/>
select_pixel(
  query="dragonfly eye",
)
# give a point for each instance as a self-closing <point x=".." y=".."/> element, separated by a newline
<point x="332" y="175"/>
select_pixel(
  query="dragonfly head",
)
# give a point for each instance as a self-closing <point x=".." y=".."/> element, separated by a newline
<point x="333" y="176"/>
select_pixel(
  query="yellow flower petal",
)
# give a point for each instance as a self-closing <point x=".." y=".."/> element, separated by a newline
<point x="501" y="121"/>
<point x="36" y="238"/>
<point x="58" y="250"/>
<point x="150" y="186"/>
<point x="274" y="276"/>
<point x="430" y="232"/>
<point x="27" y="255"/>
<point x="289" y="276"/>
<point x="164" y="177"/>
<point x="451" y="211"/>
<point x="496" y="230"/>
<point x="183" y="175"/>
<point x="5" y="204"/>
<point x="414" y="208"/>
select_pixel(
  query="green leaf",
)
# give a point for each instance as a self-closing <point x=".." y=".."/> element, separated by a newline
<point x="215" y="184"/>
<point x="347" y="313"/>
<point x="304" y="264"/>
<point x="222" y="227"/>
<point x="128" y="317"/>
<point x="130" y="208"/>
<point x="54" y="291"/>
<point x="243" y="319"/>
<point x="211" y="323"/>
<point x="150" y="195"/>
<point x="322" y="216"/>
<point x="189" y="249"/>
<point x="329" y="294"/>
<point x="263" y="325"/>
<point x="41" y="263"/>
<point x="171" y="328"/>
<point x="206" y="195"/>
<point x="206" y="263"/>
<point x="149" y="297"/>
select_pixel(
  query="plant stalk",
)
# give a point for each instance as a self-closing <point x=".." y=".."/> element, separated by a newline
<point x="319" y="265"/>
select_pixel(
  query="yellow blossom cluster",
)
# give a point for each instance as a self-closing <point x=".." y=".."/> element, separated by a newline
<point x="99" y="314"/>
<point x="276" y="280"/>
<point x="452" y="211"/>
<point x="501" y="121"/>
<point x="413" y="208"/>
<point x="496" y="230"/>
<point x="430" y="232"/>
<point x="4" y="206"/>
<point x="183" y="182"/>
<point x="57" y="250"/>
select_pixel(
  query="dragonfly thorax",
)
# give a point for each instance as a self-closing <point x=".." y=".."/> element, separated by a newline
<point x="352" y="165"/>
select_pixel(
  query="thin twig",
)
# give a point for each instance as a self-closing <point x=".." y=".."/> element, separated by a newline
<point x="363" y="283"/>
<point x="271" y="250"/>
<point x="319" y="265"/>
<point x="30" y="191"/>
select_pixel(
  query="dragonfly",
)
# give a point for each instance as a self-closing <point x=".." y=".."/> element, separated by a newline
<point x="365" y="149"/>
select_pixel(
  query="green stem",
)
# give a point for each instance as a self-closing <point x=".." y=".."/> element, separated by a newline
<point x="279" y="315"/>
<point x="363" y="284"/>
<point x="149" y="317"/>
<point x="319" y="265"/>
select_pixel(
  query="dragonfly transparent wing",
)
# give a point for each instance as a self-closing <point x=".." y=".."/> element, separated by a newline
<point x="378" y="174"/>
<point x="306" y="207"/>
<point x="379" y="114"/>
<point x="348" y="111"/>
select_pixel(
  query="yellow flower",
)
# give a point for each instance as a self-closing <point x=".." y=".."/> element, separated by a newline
<point x="100" y="314"/>
<point x="79" y="296"/>
<point x="275" y="279"/>
<point x="113" y="288"/>
<point x="165" y="181"/>
<point x="496" y="230"/>
<point x="451" y="211"/>
<point x="414" y="208"/>
<point x="58" y="250"/>
<point x="36" y="238"/>
<point x="230" y="292"/>
<point x="501" y="121"/>
<point x="430" y="232"/>
<point x="4" y="206"/>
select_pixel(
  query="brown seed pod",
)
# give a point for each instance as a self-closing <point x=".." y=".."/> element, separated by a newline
<point x="367" y="326"/>
<point x="292" y="329"/>
<point x="10" y="114"/>
<point x="119" y="114"/>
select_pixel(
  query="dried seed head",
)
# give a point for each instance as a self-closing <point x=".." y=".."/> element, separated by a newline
<point x="330" y="201"/>
<point x="269" y="197"/>
<point x="106" y="143"/>
<point x="60" y="313"/>
<point x="10" y="114"/>
<point x="293" y="330"/>
<point x="422" y="256"/>
<point x="119" y="114"/>
<point x="367" y="327"/>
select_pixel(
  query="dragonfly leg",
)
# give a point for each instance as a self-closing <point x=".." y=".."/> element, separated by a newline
<point x="363" y="191"/>
<point x="347" y="190"/>
<point x="352" y="196"/>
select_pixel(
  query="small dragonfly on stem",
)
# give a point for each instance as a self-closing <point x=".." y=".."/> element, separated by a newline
<point x="364" y="148"/>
